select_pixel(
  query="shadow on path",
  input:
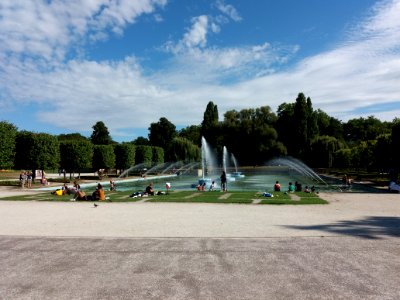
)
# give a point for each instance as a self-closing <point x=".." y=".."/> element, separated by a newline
<point x="369" y="228"/>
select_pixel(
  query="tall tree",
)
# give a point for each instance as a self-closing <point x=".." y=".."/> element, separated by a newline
<point x="251" y="136"/>
<point x="76" y="155"/>
<point x="103" y="157"/>
<point x="8" y="134"/>
<point x="37" y="151"/>
<point x="100" y="135"/>
<point x="300" y="118"/>
<point x="396" y="143"/>
<point x="161" y="134"/>
<point x="124" y="156"/>
<point x="210" y="126"/>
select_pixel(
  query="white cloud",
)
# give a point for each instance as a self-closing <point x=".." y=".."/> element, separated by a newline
<point x="47" y="29"/>
<point x="228" y="10"/>
<point x="363" y="70"/>
<point x="197" y="35"/>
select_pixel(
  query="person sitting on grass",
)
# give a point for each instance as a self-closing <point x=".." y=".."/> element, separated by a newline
<point x="149" y="190"/>
<point x="80" y="195"/>
<point x="277" y="186"/>
<point x="212" y="186"/>
<point x="98" y="194"/>
<point x="291" y="187"/>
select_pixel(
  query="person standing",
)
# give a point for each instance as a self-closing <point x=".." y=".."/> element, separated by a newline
<point x="223" y="182"/>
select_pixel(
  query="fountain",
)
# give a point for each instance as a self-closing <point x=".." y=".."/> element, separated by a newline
<point x="208" y="159"/>
<point x="298" y="166"/>
<point x="225" y="160"/>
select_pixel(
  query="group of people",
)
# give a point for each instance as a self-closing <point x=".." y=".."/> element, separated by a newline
<point x="149" y="191"/>
<point x="296" y="187"/>
<point x="79" y="194"/>
<point x="25" y="179"/>
<point x="202" y="186"/>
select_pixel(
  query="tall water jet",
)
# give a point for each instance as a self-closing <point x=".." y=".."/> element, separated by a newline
<point x="224" y="158"/>
<point x="208" y="160"/>
<point x="234" y="162"/>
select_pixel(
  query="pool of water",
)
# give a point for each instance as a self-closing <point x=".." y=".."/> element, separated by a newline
<point x="255" y="179"/>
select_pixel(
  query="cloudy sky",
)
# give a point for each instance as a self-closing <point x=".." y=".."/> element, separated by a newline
<point x="66" y="64"/>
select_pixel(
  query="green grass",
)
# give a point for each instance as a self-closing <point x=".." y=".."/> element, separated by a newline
<point x="243" y="197"/>
<point x="205" y="197"/>
<point x="285" y="199"/>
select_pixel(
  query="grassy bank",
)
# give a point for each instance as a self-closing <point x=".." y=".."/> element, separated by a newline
<point x="238" y="197"/>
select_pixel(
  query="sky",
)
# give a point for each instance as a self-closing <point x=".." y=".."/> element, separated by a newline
<point x="66" y="64"/>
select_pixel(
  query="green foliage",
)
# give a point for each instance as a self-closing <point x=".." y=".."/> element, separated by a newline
<point x="141" y="141"/>
<point x="103" y="157"/>
<point x="37" y="151"/>
<point x="162" y="133"/>
<point x="124" y="156"/>
<point x="144" y="154"/>
<point x="184" y="149"/>
<point x="71" y="137"/>
<point x="210" y="118"/>
<point x="322" y="151"/>
<point x="8" y="134"/>
<point x="76" y="155"/>
<point x="158" y="155"/>
<point x="363" y="155"/>
<point x="364" y="129"/>
<point x="100" y="135"/>
<point x="383" y="152"/>
<point x="191" y="133"/>
<point x="396" y="143"/>
<point x="343" y="158"/>
<point x="251" y="135"/>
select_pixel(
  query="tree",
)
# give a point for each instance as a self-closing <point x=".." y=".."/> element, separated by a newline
<point x="383" y="152"/>
<point x="343" y="158"/>
<point x="322" y="150"/>
<point x="8" y="134"/>
<point x="209" y="126"/>
<point x="161" y="133"/>
<point x="191" y="133"/>
<point x="100" y="135"/>
<point x="144" y="154"/>
<point x="250" y="135"/>
<point x="72" y="137"/>
<point x="103" y="157"/>
<point x="141" y="141"/>
<point x="285" y="126"/>
<point x="124" y="156"/>
<point x="300" y="120"/>
<point x="37" y="151"/>
<point x="361" y="129"/>
<point x="76" y="155"/>
<point x="328" y="125"/>
<point x="158" y="155"/>
<point x="183" y="149"/>
<point x="396" y="143"/>
<point x="210" y="118"/>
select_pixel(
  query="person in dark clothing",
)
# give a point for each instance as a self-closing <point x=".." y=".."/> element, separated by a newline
<point x="223" y="181"/>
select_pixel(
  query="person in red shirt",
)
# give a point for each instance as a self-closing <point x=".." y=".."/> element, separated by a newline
<point x="277" y="187"/>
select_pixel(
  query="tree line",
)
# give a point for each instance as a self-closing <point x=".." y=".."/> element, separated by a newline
<point x="254" y="135"/>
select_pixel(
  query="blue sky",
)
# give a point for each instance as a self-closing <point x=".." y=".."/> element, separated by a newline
<point x="64" y="65"/>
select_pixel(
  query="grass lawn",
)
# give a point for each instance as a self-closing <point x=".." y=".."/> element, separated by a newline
<point x="244" y="197"/>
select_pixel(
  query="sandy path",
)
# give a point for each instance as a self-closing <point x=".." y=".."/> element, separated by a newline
<point x="345" y="212"/>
